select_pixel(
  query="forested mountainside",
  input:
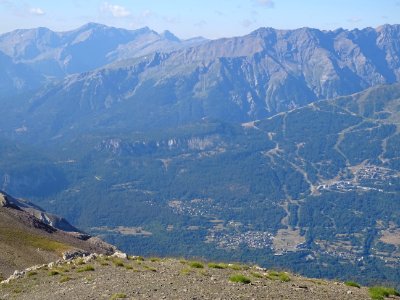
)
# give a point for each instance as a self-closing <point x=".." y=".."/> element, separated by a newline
<point x="312" y="187"/>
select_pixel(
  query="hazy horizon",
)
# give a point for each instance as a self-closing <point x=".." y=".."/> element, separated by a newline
<point x="188" y="19"/>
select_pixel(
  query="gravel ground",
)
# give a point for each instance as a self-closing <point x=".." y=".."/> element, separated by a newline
<point x="114" y="278"/>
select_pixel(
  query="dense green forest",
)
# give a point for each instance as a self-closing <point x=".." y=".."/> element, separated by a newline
<point x="315" y="190"/>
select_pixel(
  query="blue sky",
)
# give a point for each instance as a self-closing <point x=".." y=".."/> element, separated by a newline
<point x="208" y="18"/>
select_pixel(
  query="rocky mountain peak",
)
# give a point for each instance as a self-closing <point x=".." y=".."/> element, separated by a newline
<point x="169" y="36"/>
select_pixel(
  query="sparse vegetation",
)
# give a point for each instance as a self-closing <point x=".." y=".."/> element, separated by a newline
<point x="196" y="264"/>
<point x="31" y="273"/>
<point x="282" y="276"/>
<point x="185" y="271"/>
<point x="216" y="266"/>
<point x="256" y="275"/>
<point x="213" y="276"/>
<point x="137" y="258"/>
<point x="118" y="296"/>
<point x="380" y="292"/>
<point x="352" y="283"/>
<point x="63" y="269"/>
<point x="79" y="261"/>
<point x="25" y="239"/>
<point x="240" y="278"/>
<point x="65" y="279"/>
<point x="150" y="268"/>
<point x="118" y="262"/>
<point x="17" y="290"/>
<point x="155" y="259"/>
<point x="87" y="268"/>
<point x="54" y="272"/>
<point x="235" y="267"/>
<point x="204" y="273"/>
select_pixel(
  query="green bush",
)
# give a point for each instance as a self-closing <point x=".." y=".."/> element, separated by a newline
<point x="196" y="264"/>
<point x="88" y="268"/>
<point x="240" y="278"/>
<point x="282" y="276"/>
<point x="380" y="292"/>
<point x="352" y="283"/>
<point x="217" y="266"/>
<point x="118" y="262"/>
<point x="235" y="267"/>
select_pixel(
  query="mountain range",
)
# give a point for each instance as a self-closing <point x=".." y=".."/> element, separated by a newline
<point x="280" y="147"/>
<point x="54" y="55"/>
<point x="236" y="79"/>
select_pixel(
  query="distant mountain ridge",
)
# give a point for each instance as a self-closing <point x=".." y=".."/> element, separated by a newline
<point x="91" y="46"/>
<point x="235" y="79"/>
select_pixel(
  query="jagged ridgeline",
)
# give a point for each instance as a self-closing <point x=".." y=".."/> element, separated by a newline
<point x="141" y="79"/>
<point x="221" y="149"/>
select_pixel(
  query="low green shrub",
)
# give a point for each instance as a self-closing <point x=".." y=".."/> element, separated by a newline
<point x="240" y="278"/>
<point x="196" y="264"/>
<point x="217" y="266"/>
<point x="380" y="292"/>
<point x="352" y="283"/>
<point x="235" y="267"/>
<point x="118" y="262"/>
<point x="282" y="276"/>
<point x="88" y="268"/>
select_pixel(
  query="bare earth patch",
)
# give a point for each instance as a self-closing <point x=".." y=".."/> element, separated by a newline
<point x="287" y="240"/>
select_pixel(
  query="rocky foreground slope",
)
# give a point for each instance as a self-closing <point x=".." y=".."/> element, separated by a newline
<point x="30" y="236"/>
<point x="107" y="277"/>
